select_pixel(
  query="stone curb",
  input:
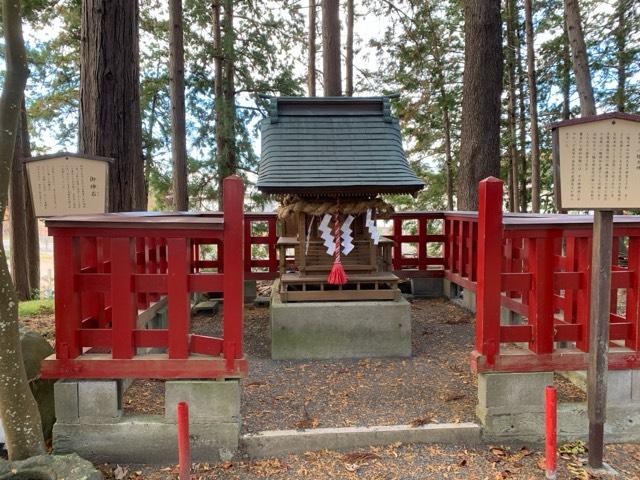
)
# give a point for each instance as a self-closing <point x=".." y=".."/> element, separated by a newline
<point x="275" y="443"/>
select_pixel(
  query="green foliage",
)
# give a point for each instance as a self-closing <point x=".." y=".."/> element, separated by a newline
<point x="33" y="308"/>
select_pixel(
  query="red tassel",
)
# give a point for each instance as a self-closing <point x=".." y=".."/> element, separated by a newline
<point x="337" y="276"/>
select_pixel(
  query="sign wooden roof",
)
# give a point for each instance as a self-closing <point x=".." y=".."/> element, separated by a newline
<point x="333" y="145"/>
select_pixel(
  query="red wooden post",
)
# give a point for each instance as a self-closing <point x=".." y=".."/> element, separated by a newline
<point x="89" y="262"/>
<point x="448" y="235"/>
<point x="184" y="450"/>
<point x="247" y="245"/>
<point x="66" y="257"/>
<point x="583" y="296"/>
<point x="178" y="296"/>
<point x="422" y="243"/>
<point x="633" y="294"/>
<point x="233" y="279"/>
<point x="551" y="428"/>
<point x="273" y="239"/>
<point x="489" y="259"/>
<point x="123" y="309"/>
<point x="397" y="243"/>
<point x="541" y="294"/>
<point x="462" y="254"/>
<point x="141" y="265"/>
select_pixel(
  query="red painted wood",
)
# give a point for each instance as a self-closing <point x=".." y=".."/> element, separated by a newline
<point x="541" y="295"/>
<point x="633" y="294"/>
<point x="124" y="311"/>
<point x="233" y="280"/>
<point x="206" y="345"/>
<point x="178" y="297"/>
<point x="583" y="296"/>
<point x="489" y="258"/>
<point x="66" y="255"/>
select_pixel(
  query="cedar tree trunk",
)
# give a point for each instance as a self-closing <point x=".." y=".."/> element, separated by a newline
<point x="580" y="58"/>
<point x="311" y="60"/>
<point x="178" y="127"/>
<point x="331" y="48"/>
<point x="482" y="86"/>
<point x="110" y="123"/>
<point x="533" y="109"/>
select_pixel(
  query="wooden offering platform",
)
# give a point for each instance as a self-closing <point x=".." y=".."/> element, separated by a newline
<point x="295" y="287"/>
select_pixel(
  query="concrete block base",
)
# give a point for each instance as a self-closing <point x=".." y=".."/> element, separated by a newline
<point x="511" y="405"/>
<point x="101" y="434"/>
<point x="250" y="291"/>
<point x="326" y="330"/>
<point x="427" y="287"/>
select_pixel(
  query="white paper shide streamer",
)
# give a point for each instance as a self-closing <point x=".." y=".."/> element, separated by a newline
<point x="371" y="226"/>
<point x="326" y="234"/>
<point x="347" y="238"/>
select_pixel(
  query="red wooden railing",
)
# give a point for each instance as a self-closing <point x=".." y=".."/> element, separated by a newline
<point x="537" y="269"/>
<point x="109" y="268"/>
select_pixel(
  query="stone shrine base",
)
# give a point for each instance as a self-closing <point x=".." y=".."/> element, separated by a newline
<point x="329" y="330"/>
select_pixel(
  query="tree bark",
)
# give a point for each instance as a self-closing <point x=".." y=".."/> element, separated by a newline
<point x="580" y="58"/>
<point x="110" y="123"/>
<point x="511" y="113"/>
<point x="18" y="235"/>
<point x="225" y="129"/>
<point x="522" y="125"/>
<point x="178" y="126"/>
<point x="331" y="48"/>
<point x="533" y="109"/>
<point x="621" y="33"/>
<point x="446" y="120"/>
<point x="565" y="74"/>
<point x="18" y="409"/>
<point x="349" y="49"/>
<point x="482" y="86"/>
<point x="311" y="60"/>
<point x="31" y="222"/>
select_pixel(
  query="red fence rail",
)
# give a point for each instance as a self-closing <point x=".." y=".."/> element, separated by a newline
<point x="109" y="268"/>
<point x="535" y="270"/>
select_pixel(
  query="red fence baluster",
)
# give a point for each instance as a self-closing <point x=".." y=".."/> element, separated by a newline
<point x="247" y="245"/>
<point x="541" y="295"/>
<point x="123" y="309"/>
<point x="273" y="239"/>
<point x="489" y="257"/>
<point x="583" y="296"/>
<point x="178" y="256"/>
<point x="89" y="262"/>
<point x="66" y="256"/>
<point x="422" y="243"/>
<point x="633" y="294"/>
<point x="233" y="280"/>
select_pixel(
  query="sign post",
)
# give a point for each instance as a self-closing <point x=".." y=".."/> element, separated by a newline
<point x="597" y="167"/>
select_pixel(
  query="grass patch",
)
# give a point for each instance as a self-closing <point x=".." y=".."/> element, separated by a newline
<point x="34" y="308"/>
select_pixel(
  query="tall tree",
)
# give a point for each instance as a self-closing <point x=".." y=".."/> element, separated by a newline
<point x="311" y="45"/>
<point x="349" y="49"/>
<point x="110" y="124"/>
<point x="178" y="120"/>
<point x="580" y="58"/>
<point x="623" y="8"/>
<point x="511" y="14"/>
<point x="226" y="128"/>
<point x="18" y="409"/>
<point x="482" y="86"/>
<point x="18" y="219"/>
<point x="533" y="108"/>
<point x="331" y="71"/>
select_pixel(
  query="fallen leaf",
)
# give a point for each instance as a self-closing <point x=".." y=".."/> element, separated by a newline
<point x="355" y="457"/>
<point x="418" y="422"/>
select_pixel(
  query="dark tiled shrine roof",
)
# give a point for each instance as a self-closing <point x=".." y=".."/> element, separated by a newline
<point x="333" y="145"/>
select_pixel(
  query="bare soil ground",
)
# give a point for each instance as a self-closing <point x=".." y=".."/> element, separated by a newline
<point x="401" y="462"/>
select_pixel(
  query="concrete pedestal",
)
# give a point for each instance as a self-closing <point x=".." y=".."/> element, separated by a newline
<point x="326" y="330"/>
<point x="90" y="422"/>
<point x="511" y="405"/>
<point x="427" y="287"/>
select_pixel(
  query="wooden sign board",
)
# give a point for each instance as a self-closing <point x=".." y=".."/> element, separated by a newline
<point x="68" y="184"/>
<point x="597" y="162"/>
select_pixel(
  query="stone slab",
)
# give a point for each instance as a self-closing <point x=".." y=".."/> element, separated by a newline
<point x="208" y="306"/>
<point x="623" y="386"/>
<point x="250" y="291"/>
<point x="99" y="399"/>
<point x="513" y="392"/>
<point x="427" y="287"/>
<point x="143" y="439"/>
<point x="209" y="401"/>
<point x="282" y="442"/>
<point x="327" y="330"/>
<point x="65" y="393"/>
